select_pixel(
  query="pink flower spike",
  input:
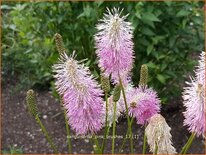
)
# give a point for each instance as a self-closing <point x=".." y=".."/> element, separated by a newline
<point x="194" y="100"/>
<point x="81" y="95"/>
<point x="143" y="104"/>
<point x="114" y="45"/>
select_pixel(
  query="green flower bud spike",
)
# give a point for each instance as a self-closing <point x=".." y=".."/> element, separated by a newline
<point x="143" y="75"/>
<point x="32" y="106"/>
<point x="105" y="83"/>
<point x="31" y="103"/>
<point x="117" y="92"/>
<point x="59" y="43"/>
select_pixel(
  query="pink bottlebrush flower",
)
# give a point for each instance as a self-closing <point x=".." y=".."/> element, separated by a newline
<point x="194" y="100"/>
<point x="143" y="103"/>
<point x="81" y="95"/>
<point x="114" y="45"/>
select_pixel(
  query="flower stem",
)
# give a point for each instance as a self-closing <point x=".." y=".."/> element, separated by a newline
<point x="97" y="144"/>
<point x="131" y="138"/>
<point x="67" y="128"/>
<point x="128" y="119"/>
<point x="114" y="127"/>
<point x="144" y="144"/>
<point x="188" y="144"/>
<point x="46" y="134"/>
<point x="125" y="101"/>
<point x="124" y="140"/>
<point x="106" y="131"/>
<point x="156" y="148"/>
<point x="68" y="133"/>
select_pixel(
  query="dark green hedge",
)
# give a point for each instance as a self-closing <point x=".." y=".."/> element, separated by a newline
<point x="167" y="37"/>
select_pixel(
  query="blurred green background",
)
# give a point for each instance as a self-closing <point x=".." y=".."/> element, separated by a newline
<point x="167" y="37"/>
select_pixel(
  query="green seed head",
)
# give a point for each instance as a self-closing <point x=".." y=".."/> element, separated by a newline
<point x="117" y="92"/>
<point x="143" y="75"/>
<point x="59" y="43"/>
<point x="31" y="102"/>
<point x="105" y="83"/>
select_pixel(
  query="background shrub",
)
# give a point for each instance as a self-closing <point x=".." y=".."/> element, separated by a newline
<point x="166" y="37"/>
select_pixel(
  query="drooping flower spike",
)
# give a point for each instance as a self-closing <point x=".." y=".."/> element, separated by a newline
<point x="158" y="135"/>
<point x="194" y="100"/>
<point x="81" y="95"/>
<point x="114" y="45"/>
<point x="143" y="103"/>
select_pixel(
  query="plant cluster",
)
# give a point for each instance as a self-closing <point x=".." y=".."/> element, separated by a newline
<point x="90" y="106"/>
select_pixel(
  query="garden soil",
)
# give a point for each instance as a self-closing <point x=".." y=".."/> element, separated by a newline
<point x="20" y="130"/>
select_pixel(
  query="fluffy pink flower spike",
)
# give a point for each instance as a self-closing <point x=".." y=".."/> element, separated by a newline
<point x="194" y="100"/>
<point x="144" y="104"/>
<point x="114" y="45"/>
<point x="81" y="95"/>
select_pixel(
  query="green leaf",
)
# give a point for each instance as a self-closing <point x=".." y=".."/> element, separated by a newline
<point x="150" y="16"/>
<point x="147" y="31"/>
<point x="150" y="48"/>
<point x="144" y="41"/>
<point x="5" y="7"/>
<point x="148" y="22"/>
<point x="182" y="13"/>
<point x="161" y="78"/>
<point x="151" y="65"/>
<point x="172" y="41"/>
<point x="163" y="67"/>
<point x="168" y="2"/>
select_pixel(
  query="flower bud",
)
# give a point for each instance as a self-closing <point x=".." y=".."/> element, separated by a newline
<point x="59" y="43"/>
<point x="143" y="75"/>
<point x="117" y="92"/>
<point x="31" y="102"/>
<point x="105" y="83"/>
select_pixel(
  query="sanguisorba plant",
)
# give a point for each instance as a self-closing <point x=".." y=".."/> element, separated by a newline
<point x="86" y="112"/>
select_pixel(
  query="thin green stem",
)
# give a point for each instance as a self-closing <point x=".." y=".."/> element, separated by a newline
<point x="125" y="138"/>
<point x="128" y="119"/>
<point x="67" y="128"/>
<point x="114" y="127"/>
<point x="68" y="133"/>
<point x="46" y="135"/>
<point x="144" y="144"/>
<point x="125" y="101"/>
<point x="97" y="144"/>
<point x="156" y="148"/>
<point x="188" y="144"/>
<point x="106" y="131"/>
<point x="131" y="139"/>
